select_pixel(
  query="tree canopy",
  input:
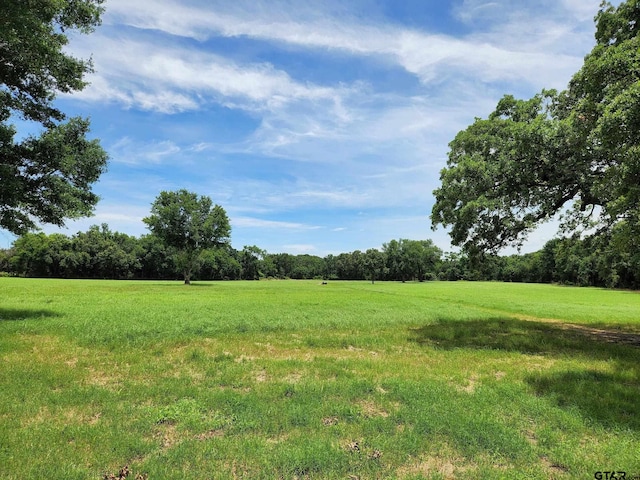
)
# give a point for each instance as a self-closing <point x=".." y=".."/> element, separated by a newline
<point x="574" y="153"/>
<point x="189" y="224"/>
<point x="48" y="177"/>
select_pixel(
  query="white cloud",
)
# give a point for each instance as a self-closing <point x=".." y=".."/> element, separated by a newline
<point x="121" y="217"/>
<point x="300" y="248"/>
<point x="584" y="10"/>
<point x="312" y="122"/>
<point x="474" y="11"/>
<point x="176" y="79"/>
<point x="422" y="53"/>
<point x="130" y="152"/>
<point x="250" y="222"/>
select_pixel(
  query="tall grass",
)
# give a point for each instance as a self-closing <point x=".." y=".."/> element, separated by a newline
<point x="290" y="379"/>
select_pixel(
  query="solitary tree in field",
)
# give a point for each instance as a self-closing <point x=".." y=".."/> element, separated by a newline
<point x="189" y="224"/>
<point x="45" y="177"/>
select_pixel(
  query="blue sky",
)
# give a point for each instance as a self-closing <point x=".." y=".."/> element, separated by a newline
<point x="320" y="127"/>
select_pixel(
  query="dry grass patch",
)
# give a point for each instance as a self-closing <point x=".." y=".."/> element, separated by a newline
<point x="215" y="433"/>
<point x="62" y="416"/>
<point x="553" y="469"/>
<point x="167" y="435"/>
<point x="261" y="376"/>
<point x="44" y="349"/>
<point x="293" y="377"/>
<point x="371" y="409"/>
<point x="470" y="387"/>
<point x="448" y="467"/>
<point x="330" y="421"/>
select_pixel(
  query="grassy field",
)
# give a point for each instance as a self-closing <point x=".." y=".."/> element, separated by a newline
<point x="292" y="379"/>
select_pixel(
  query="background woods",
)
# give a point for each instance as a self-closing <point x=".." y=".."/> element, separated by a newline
<point x="102" y="253"/>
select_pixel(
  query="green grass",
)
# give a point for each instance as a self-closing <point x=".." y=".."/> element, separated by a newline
<point x="289" y="379"/>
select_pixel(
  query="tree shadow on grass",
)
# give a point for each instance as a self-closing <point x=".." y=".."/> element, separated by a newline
<point x="17" y="314"/>
<point x="608" y="398"/>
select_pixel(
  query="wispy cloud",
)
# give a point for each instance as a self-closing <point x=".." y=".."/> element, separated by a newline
<point x="122" y="217"/>
<point x="424" y="54"/>
<point x="176" y="79"/>
<point x="251" y="222"/>
<point x="128" y="151"/>
<point x="301" y="248"/>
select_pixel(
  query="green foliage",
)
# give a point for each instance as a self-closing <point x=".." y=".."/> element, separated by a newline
<point x="411" y="259"/>
<point x="297" y="266"/>
<point x="219" y="264"/>
<point x="350" y="266"/>
<point x="5" y="256"/>
<point x="506" y="174"/>
<point x="577" y="151"/>
<point x="374" y="263"/>
<point x="97" y="253"/>
<point x="156" y="259"/>
<point x="189" y="224"/>
<point x="44" y="178"/>
<point x="251" y="261"/>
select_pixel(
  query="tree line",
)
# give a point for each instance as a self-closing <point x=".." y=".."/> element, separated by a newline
<point x="104" y="254"/>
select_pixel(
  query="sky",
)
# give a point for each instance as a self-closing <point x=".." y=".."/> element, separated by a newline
<point x="320" y="127"/>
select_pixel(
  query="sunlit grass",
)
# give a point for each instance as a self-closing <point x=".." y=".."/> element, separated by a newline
<point x="290" y="379"/>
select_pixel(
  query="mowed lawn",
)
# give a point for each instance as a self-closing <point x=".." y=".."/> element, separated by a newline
<point x="294" y="379"/>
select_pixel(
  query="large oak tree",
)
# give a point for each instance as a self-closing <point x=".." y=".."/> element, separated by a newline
<point x="575" y="153"/>
<point x="45" y="177"/>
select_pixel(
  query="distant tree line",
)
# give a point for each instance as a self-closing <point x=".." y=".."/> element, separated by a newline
<point x="102" y="253"/>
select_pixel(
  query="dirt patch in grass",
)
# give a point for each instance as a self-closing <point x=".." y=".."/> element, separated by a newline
<point x="215" y="433"/>
<point x="329" y="421"/>
<point x="294" y="377"/>
<point x="471" y="385"/>
<point x="261" y="376"/>
<point x="555" y="470"/>
<point x="124" y="473"/>
<point x="102" y="379"/>
<point x="72" y="362"/>
<point x="447" y="468"/>
<point x="167" y="435"/>
<point x="371" y="409"/>
<point x="282" y="437"/>
<point x="243" y="358"/>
